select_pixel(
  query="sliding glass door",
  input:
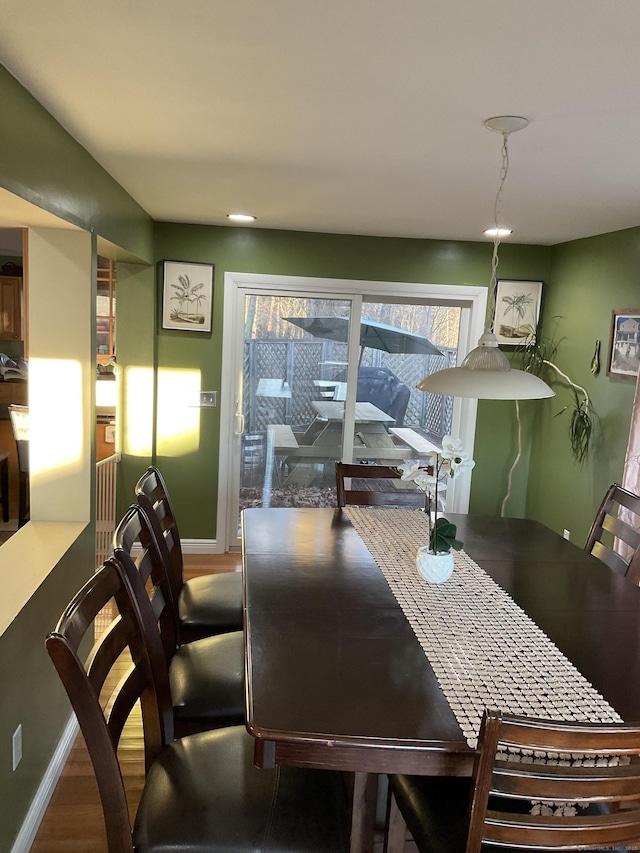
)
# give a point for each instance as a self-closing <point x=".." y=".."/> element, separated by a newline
<point x="323" y="376"/>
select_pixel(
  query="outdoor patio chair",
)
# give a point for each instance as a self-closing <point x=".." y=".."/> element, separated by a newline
<point x="378" y="385"/>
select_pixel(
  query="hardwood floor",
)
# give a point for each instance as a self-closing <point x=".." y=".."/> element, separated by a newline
<point x="73" y="821"/>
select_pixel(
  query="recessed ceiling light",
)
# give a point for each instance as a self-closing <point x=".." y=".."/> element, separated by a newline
<point x="241" y="217"/>
<point x="498" y="232"/>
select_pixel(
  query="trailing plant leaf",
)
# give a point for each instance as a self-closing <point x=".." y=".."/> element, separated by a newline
<point x="536" y="353"/>
<point x="580" y="427"/>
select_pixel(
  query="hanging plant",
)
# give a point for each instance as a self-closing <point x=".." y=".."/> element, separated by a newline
<point x="538" y="356"/>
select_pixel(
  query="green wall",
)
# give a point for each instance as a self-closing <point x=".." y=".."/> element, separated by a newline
<point x="192" y="478"/>
<point x="41" y="163"/>
<point x="32" y="694"/>
<point x="589" y="278"/>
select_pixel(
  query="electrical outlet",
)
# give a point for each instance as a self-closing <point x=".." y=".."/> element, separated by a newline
<point x="208" y="399"/>
<point x="16" y="747"/>
<point x="566" y="534"/>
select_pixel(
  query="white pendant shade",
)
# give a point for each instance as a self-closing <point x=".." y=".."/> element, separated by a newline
<point x="486" y="384"/>
<point x="486" y="374"/>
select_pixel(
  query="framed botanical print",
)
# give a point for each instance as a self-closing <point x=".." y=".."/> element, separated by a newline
<point x="187" y="296"/>
<point x="517" y="310"/>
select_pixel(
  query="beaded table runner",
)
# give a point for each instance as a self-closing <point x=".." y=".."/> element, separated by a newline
<point x="483" y="648"/>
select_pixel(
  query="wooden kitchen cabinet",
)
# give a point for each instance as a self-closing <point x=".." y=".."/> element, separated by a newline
<point x="10" y="308"/>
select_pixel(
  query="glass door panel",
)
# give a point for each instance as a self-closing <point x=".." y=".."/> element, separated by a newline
<point x="406" y="343"/>
<point x="293" y="391"/>
<point x="399" y="345"/>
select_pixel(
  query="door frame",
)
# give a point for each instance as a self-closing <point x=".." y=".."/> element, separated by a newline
<point x="472" y="299"/>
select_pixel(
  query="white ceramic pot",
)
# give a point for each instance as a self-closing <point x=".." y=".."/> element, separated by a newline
<point x="435" y="568"/>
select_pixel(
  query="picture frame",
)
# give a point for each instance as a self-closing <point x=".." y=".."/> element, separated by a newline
<point x="517" y="310"/>
<point x="624" y="343"/>
<point x="187" y="296"/>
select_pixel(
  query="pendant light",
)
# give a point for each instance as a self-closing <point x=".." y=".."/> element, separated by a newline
<point x="485" y="374"/>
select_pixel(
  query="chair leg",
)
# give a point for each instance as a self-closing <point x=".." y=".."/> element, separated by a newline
<point x="4" y="487"/>
<point x="396" y="829"/>
<point x="23" y="499"/>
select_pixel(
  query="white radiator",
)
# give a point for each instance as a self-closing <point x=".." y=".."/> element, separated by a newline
<point x="106" y="472"/>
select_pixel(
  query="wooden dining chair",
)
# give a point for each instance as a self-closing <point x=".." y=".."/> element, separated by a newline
<point x="206" y="676"/>
<point x="19" y="416"/>
<point x="379" y="490"/>
<point x="206" y="605"/>
<point x="202" y="793"/>
<point x="496" y="807"/>
<point x="608" y="526"/>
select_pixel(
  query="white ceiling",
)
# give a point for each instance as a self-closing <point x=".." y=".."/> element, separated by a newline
<point x="350" y="116"/>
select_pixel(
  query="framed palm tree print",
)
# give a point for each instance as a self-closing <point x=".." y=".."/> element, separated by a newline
<point x="187" y="296"/>
<point x="517" y="310"/>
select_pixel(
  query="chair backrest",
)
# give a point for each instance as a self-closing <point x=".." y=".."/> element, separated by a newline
<point x="610" y="774"/>
<point x="134" y="529"/>
<point x="381" y="493"/>
<point x="19" y="416"/>
<point x="608" y="526"/>
<point x="102" y="718"/>
<point x="153" y="497"/>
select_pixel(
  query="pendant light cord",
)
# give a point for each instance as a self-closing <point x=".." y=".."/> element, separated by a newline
<point x="497" y="214"/>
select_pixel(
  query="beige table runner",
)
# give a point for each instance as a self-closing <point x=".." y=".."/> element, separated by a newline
<point x="483" y="648"/>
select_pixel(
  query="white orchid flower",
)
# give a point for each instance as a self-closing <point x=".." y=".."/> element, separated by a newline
<point x="463" y="462"/>
<point x="410" y="471"/>
<point x="451" y="447"/>
<point x="426" y="482"/>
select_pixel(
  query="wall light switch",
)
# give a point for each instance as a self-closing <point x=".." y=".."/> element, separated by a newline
<point x="208" y="399"/>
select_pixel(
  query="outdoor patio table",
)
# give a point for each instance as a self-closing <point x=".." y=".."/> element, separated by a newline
<point x="336" y="676"/>
<point x="277" y="388"/>
<point x="369" y="419"/>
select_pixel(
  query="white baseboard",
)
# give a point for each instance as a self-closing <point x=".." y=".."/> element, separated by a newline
<point x="38" y="807"/>
<point x="190" y="546"/>
<point x="200" y="546"/>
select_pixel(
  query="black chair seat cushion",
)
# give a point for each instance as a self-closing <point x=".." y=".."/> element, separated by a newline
<point x="204" y="794"/>
<point x="436" y="811"/>
<point x="211" y="604"/>
<point x="207" y="681"/>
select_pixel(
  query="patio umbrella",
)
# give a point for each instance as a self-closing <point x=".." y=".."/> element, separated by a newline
<point x="372" y="334"/>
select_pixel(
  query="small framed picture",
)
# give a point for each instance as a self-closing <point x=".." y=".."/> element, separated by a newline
<point x="517" y="310"/>
<point x="187" y="296"/>
<point x="624" y="343"/>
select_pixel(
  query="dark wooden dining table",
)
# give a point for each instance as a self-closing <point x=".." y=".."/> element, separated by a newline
<point x="336" y="677"/>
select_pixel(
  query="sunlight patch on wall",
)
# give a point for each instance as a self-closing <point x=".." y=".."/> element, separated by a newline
<point x="137" y="438"/>
<point x="178" y="426"/>
<point x="55" y="418"/>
